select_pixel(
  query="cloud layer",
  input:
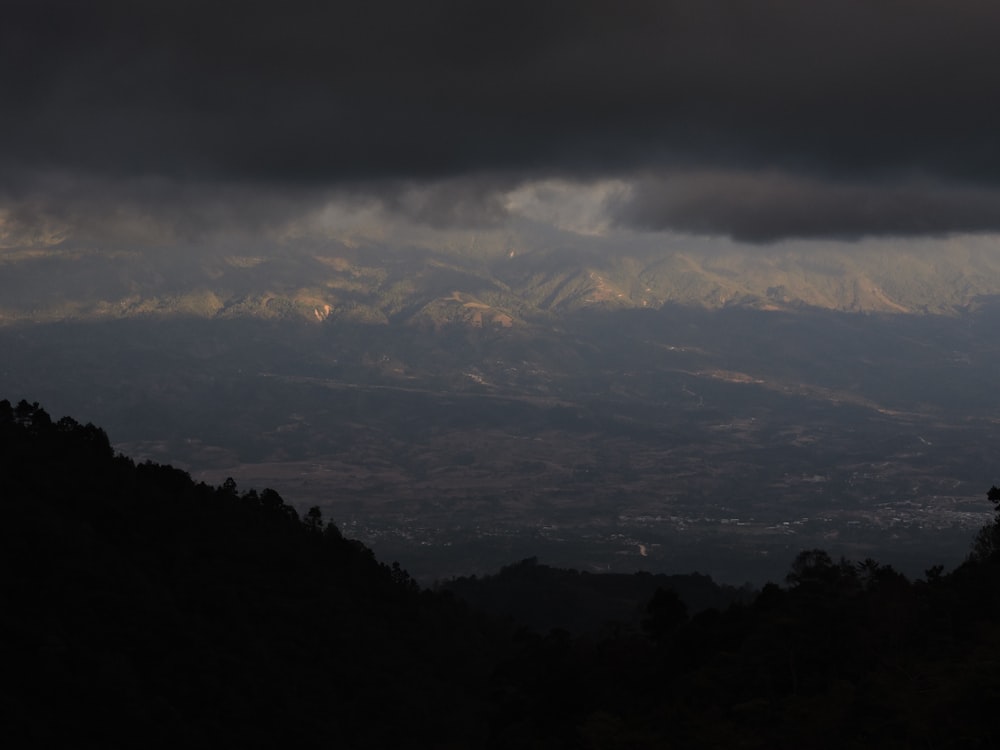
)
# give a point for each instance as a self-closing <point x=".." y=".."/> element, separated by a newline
<point x="760" y="119"/>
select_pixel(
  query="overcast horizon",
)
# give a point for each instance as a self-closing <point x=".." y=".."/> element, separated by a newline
<point x="160" y="125"/>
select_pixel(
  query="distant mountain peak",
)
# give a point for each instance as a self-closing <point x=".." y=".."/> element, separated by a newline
<point x="448" y="286"/>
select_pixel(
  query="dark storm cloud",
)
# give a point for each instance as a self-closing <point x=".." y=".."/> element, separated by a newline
<point x="883" y="95"/>
<point x="766" y="207"/>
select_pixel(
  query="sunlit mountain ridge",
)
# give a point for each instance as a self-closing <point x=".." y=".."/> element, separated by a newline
<point x="486" y="284"/>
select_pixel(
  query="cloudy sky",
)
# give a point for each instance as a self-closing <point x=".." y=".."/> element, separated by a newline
<point x="757" y="120"/>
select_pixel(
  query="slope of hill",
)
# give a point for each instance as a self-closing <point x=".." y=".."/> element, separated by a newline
<point x="142" y="608"/>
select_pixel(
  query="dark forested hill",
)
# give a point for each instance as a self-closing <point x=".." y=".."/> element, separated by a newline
<point x="548" y="598"/>
<point x="142" y="609"/>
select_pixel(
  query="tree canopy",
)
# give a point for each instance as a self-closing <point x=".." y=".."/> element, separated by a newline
<point x="141" y="607"/>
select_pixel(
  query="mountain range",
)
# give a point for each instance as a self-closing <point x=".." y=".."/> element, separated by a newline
<point x="462" y="404"/>
<point x="488" y="280"/>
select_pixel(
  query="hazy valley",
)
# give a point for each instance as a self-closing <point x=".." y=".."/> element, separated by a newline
<point x="462" y="409"/>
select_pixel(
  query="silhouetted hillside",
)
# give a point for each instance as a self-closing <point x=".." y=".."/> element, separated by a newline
<point x="142" y="609"/>
<point x="547" y="598"/>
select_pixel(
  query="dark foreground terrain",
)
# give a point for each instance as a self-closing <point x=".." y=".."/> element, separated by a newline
<point x="142" y="608"/>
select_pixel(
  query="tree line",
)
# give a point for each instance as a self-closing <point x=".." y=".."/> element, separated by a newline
<point x="139" y="606"/>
